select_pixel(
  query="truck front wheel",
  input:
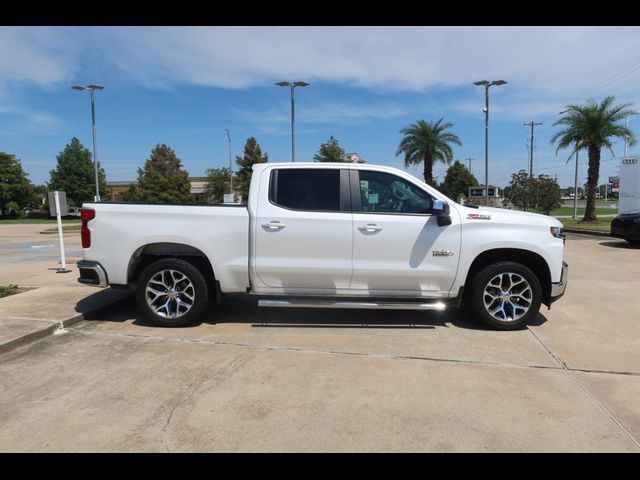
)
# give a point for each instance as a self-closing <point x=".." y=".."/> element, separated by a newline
<point x="172" y="292"/>
<point x="505" y="295"/>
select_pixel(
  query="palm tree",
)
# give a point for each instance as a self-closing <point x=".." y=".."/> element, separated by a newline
<point x="427" y="142"/>
<point x="592" y="126"/>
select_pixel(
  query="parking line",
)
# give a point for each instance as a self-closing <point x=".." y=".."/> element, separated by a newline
<point x="586" y="389"/>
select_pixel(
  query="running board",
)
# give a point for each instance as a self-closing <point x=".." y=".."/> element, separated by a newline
<point x="439" y="306"/>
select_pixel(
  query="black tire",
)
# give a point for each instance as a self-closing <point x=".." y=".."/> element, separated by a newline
<point x="187" y="299"/>
<point x="516" y="303"/>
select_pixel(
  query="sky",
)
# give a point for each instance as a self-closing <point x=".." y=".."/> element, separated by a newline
<point x="183" y="86"/>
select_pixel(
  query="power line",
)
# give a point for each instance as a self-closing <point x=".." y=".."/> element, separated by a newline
<point x="606" y="81"/>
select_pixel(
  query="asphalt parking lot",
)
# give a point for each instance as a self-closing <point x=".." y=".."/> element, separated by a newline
<point x="321" y="380"/>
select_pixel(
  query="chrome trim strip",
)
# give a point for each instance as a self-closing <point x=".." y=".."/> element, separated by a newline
<point x="97" y="268"/>
<point x="351" y="305"/>
<point x="557" y="289"/>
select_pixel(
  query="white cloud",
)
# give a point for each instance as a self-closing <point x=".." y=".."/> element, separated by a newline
<point x="273" y="121"/>
<point x="549" y="59"/>
<point x="41" y="56"/>
<point x="25" y="120"/>
<point x="546" y="67"/>
<point x="560" y="59"/>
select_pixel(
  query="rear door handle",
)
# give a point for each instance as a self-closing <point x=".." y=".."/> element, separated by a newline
<point x="273" y="225"/>
<point x="370" y="227"/>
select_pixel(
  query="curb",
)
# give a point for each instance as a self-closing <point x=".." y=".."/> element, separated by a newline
<point x="31" y="337"/>
<point x="588" y="232"/>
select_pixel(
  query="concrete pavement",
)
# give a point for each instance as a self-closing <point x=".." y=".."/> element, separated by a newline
<point x="328" y="380"/>
<point x="92" y="391"/>
<point x="30" y="259"/>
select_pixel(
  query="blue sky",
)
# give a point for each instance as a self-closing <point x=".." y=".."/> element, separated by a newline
<point x="184" y="85"/>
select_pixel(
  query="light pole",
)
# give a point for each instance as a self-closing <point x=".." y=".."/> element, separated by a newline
<point x="91" y="89"/>
<point x="230" y="166"/>
<point x="487" y="84"/>
<point x="292" y="85"/>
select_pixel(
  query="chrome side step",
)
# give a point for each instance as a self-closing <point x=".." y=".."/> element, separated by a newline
<point x="439" y="306"/>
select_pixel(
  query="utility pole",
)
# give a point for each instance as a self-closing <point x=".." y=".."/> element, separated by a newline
<point x="469" y="160"/>
<point x="531" y="124"/>
<point x="230" y="164"/>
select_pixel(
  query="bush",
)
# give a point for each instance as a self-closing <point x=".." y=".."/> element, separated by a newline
<point x="38" y="214"/>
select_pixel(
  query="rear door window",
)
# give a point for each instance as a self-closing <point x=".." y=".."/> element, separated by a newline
<point x="308" y="189"/>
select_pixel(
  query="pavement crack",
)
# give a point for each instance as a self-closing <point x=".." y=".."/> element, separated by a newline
<point x="318" y="351"/>
<point x="586" y="389"/>
<point x="170" y="416"/>
<point x="226" y="372"/>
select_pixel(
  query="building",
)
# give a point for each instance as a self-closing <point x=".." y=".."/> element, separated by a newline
<point x="477" y="196"/>
<point x="352" y="158"/>
<point x="115" y="190"/>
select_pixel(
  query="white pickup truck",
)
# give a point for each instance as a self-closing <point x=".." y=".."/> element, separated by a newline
<point x="328" y="235"/>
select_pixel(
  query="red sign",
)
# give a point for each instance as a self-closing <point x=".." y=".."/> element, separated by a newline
<point x="615" y="185"/>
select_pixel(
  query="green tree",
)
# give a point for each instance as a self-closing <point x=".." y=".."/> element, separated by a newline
<point x="252" y="155"/>
<point x="547" y="194"/>
<point x="75" y="174"/>
<point x="132" y="195"/>
<point x="457" y="181"/>
<point x="593" y="126"/>
<point x="41" y="197"/>
<point x="330" y="151"/>
<point x="427" y="142"/>
<point x="163" y="179"/>
<point x="16" y="191"/>
<point x="217" y="184"/>
<point x="522" y="190"/>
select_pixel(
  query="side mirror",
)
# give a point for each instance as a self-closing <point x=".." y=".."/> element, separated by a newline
<point x="441" y="211"/>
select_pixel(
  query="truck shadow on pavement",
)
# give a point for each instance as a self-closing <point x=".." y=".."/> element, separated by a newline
<point x="244" y="309"/>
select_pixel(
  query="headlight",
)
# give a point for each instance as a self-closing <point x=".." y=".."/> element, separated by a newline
<point x="557" y="232"/>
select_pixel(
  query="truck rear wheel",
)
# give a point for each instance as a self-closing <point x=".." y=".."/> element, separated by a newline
<point x="505" y="295"/>
<point x="172" y="292"/>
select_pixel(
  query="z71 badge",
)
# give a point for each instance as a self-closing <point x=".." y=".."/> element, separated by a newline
<point x="477" y="216"/>
<point x="443" y="253"/>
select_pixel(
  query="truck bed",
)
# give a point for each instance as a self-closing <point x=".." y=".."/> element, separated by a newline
<point x="121" y="231"/>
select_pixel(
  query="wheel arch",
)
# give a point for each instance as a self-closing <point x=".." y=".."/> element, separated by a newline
<point x="151" y="252"/>
<point x="535" y="262"/>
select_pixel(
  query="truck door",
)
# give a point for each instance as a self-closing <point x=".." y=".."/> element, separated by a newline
<point x="304" y="231"/>
<point x="399" y="248"/>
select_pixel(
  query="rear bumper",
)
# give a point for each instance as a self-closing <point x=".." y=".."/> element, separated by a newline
<point x="92" y="273"/>
<point x="558" y="288"/>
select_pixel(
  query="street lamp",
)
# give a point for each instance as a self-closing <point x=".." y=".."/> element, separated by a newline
<point x="91" y="89"/>
<point x="230" y="166"/>
<point x="293" y="115"/>
<point x="487" y="84"/>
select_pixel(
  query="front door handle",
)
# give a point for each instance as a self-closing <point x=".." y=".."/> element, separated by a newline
<point x="273" y="225"/>
<point x="370" y="227"/>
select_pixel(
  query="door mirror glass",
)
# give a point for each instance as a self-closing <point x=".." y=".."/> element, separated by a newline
<point x="440" y="208"/>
